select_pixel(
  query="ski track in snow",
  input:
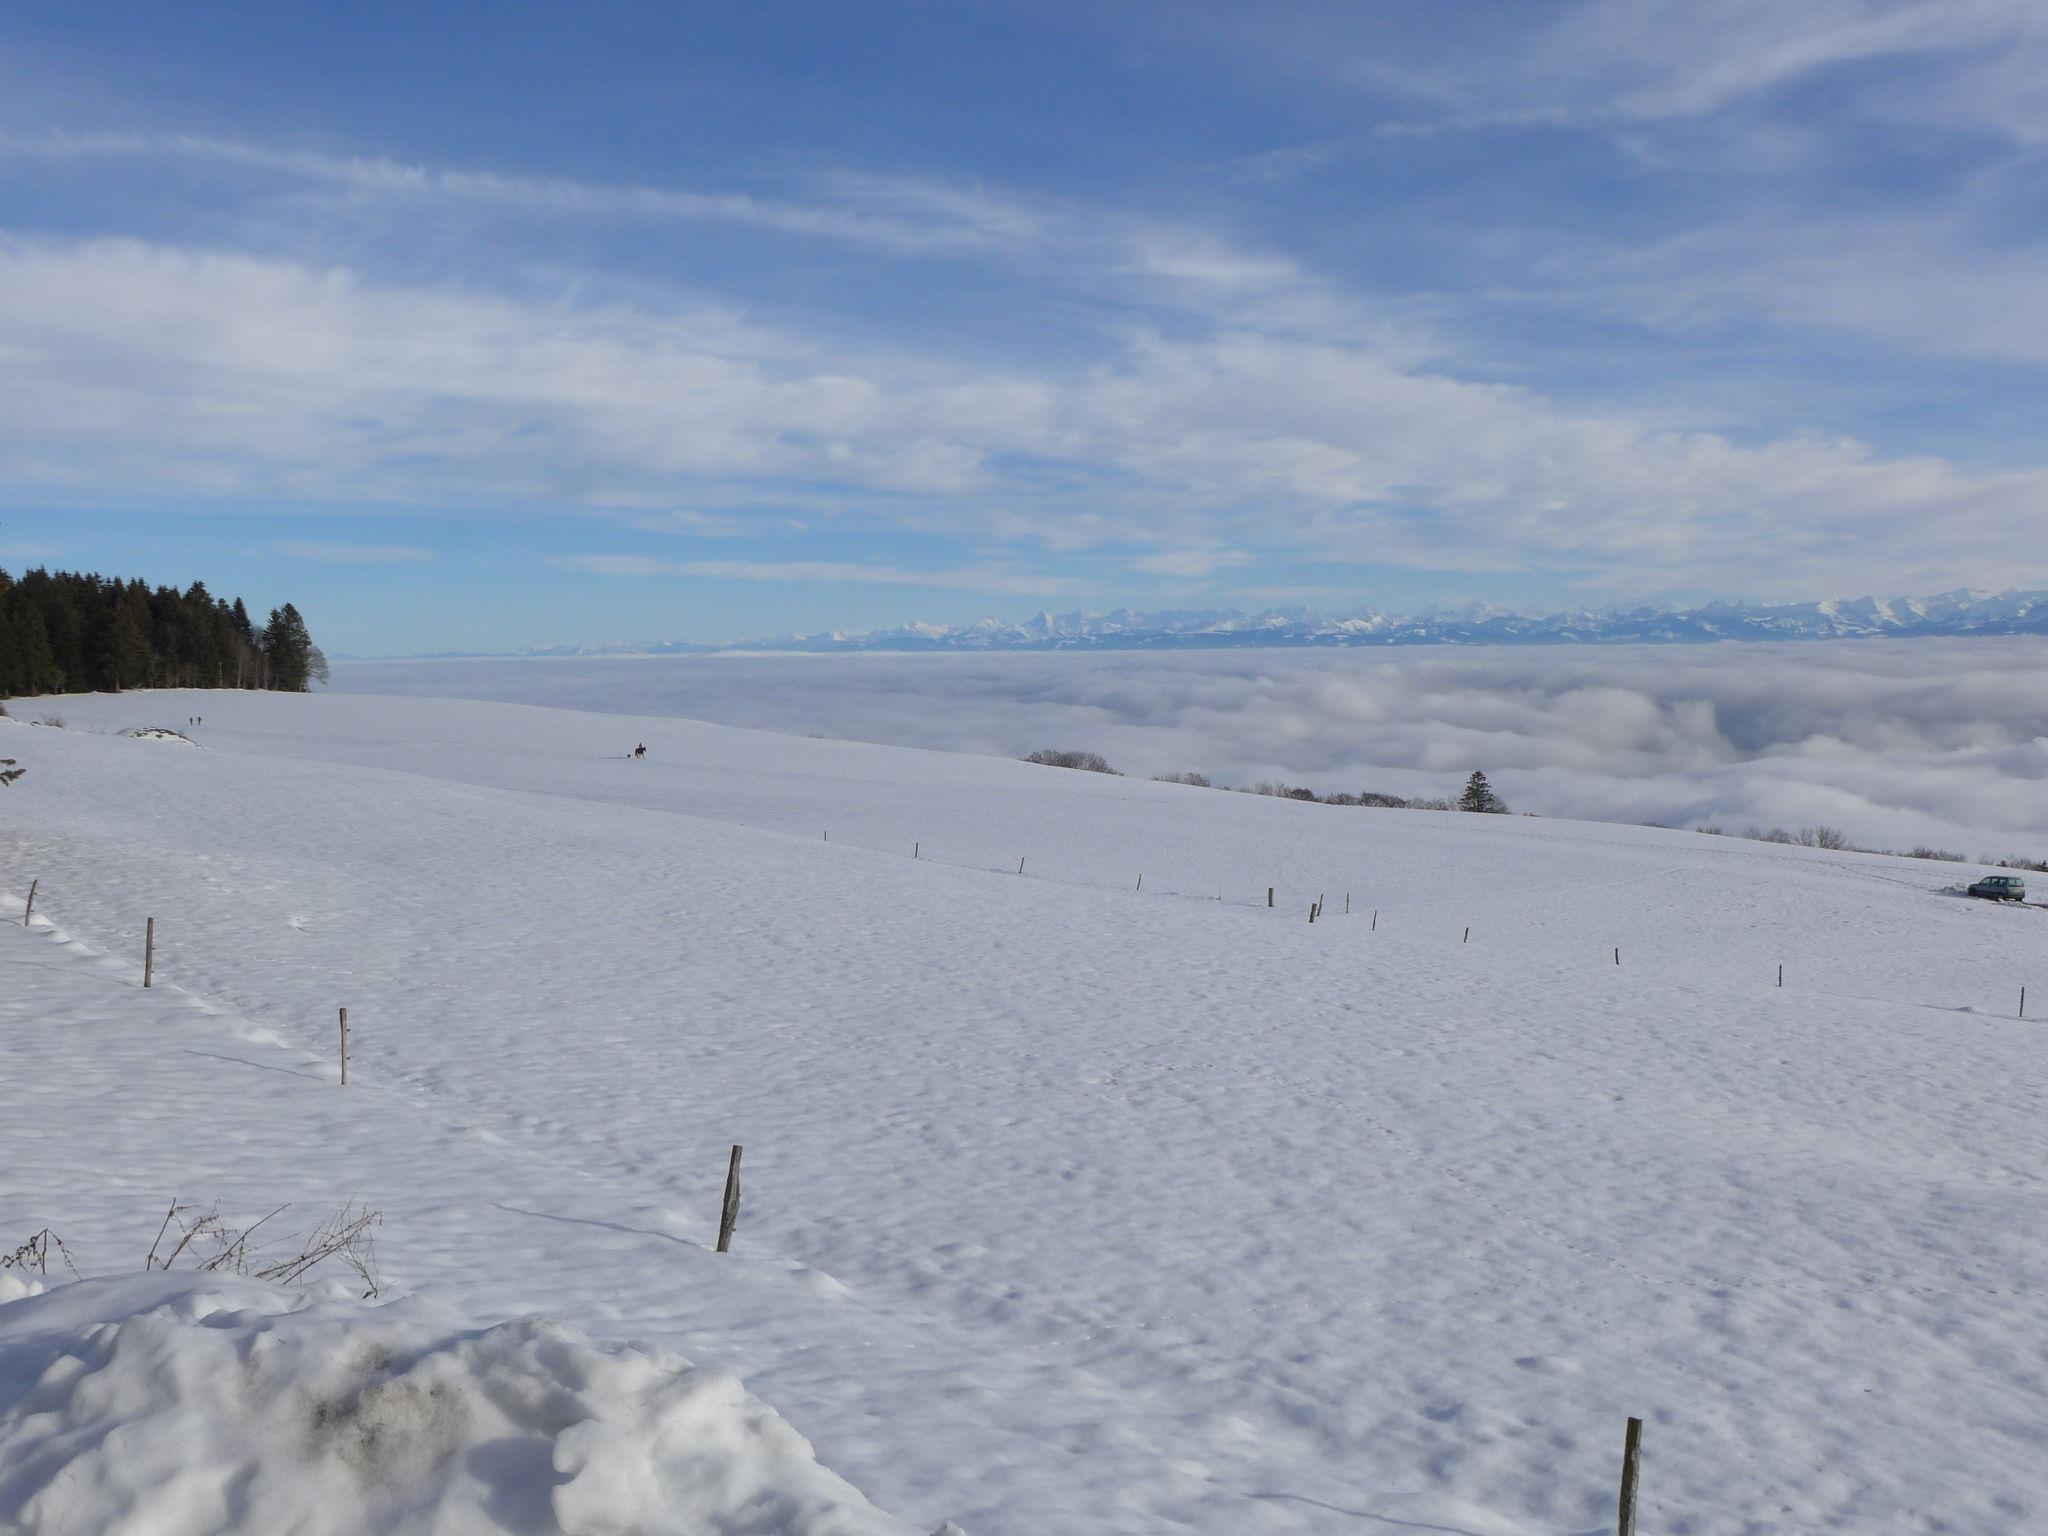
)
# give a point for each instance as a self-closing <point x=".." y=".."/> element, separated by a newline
<point x="1068" y="1207"/>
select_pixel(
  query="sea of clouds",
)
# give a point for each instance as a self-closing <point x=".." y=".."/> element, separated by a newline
<point x="1897" y="743"/>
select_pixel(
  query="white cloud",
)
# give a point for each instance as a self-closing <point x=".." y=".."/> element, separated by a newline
<point x="134" y="366"/>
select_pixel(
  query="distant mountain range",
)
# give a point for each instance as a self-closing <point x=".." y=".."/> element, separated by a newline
<point x="1962" y="612"/>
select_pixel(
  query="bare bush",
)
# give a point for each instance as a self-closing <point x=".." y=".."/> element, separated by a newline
<point x="1198" y="780"/>
<point x="8" y="771"/>
<point x="1924" y="852"/>
<point x="33" y="1256"/>
<point x="348" y="1235"/>
<point x="1087" y="762"/>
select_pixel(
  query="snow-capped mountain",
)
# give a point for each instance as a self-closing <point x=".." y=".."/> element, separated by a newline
<point x="1961" y="612"/>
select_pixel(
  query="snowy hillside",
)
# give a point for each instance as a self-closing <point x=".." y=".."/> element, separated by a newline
<point x="1070" y="1207"/>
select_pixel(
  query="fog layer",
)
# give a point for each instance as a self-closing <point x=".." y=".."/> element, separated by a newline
<point x="1943" y="742"/>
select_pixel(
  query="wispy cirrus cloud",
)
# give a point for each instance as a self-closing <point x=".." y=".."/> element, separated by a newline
<point x="902" y="216"/>
<point x="966" y="580"/>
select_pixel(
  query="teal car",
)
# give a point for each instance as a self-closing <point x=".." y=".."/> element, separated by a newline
<point x="2000" y="888"/>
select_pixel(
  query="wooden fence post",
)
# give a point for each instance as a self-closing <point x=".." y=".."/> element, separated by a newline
<point x="1781" y="973"/>
<point x="30" y="910"/>
<point x="1141" y="880"/>
<point x="1269" y="895"/>
<point x="344" y="1047"/>
<point x="916" y="849"/>
<point x="1468" y="937"/>
<point x="1617" y="954"/>
<point x="1347" y="903"/>
<point x="1631" y="1462"/>
<point x="729" y="1214"/>
<point x="2023" y="1002"/>
<point x="149" y="953"/>
<point x="1020" y="866"/>
<point x="1375" y="921"/>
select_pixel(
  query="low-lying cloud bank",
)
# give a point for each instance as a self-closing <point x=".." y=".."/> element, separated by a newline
<point x="1943" y="742"/>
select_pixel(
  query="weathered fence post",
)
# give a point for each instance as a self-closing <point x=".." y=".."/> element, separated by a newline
<point x="1781" y="973"/>
<point x="344" y="1047"/>
<point x="2023" y="1002"/>
<point x="915" y="849"/>
<point x="1269" y="895"/>
<point x="1020" y="866"/>
<point x="1631" y="1461"/>
<point x="1375" y="921"/>
<point x="1347" y="903"/>
<point x="1468" y="937"/>
<point x="1141" y="880"/>
<point x="1617" y="954"/>
<point x="149" y="953"/>
<point x="729" y="1214"/>
<point x="29" y="911"/>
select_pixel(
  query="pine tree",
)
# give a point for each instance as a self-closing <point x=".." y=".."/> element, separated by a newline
<point x="1479" y="796"/>
<point x="39" y="670"/>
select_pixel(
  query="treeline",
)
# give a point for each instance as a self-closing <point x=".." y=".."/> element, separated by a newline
<point x="73" y="632"/>
<point x="1836" y="839"/>
<point x="1478" y="795"/>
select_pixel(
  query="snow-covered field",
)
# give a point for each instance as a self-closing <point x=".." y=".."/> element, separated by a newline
<point x="1070" y="1207"/>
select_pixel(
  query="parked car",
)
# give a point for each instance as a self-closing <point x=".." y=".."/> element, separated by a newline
<point x="2000" y="888"/>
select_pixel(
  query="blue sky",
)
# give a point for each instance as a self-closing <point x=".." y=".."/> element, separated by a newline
<point x="480" y="326"/>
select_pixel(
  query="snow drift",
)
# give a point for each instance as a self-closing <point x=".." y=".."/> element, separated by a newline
<point x="173" y="1404"/>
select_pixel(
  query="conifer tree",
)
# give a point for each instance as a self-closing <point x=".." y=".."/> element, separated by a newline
<point x="288" y="649"/>
<point x="67" y="631"/>
<point x="1479" y="796"/>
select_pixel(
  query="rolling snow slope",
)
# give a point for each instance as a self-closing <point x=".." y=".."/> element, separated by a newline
<point x="1073" y="1208"/>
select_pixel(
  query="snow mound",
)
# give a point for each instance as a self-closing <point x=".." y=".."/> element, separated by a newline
<point x="161" y="733"/>
<point x="172" y="1404"/>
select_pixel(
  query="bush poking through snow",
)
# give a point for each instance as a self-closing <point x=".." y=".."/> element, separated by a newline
<point x="348" y="1235"/>
<point x="8" y="771"/>
<point x="33" y="1256"/>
